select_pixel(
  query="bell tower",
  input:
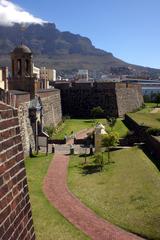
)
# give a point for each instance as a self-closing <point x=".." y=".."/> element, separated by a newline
<point x="22" y="70"/>
<point x="21" y="59"/>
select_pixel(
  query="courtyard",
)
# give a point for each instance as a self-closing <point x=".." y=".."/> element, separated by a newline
<point x="125" y="193"/>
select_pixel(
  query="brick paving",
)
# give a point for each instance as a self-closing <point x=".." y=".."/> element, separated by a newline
<point x="56" y="190"/>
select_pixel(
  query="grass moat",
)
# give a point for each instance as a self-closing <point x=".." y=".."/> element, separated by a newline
<point x="48" y="222"/>
<point x="125" y="193"/>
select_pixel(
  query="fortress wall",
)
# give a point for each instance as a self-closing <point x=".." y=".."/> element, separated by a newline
<point x="51" y="102"/>
<point x="52" y="113"/>
<point x="115" y="98"/>
<point x="16" y="216"/>
<point x="25" y="128"/>
<point x="129" y="98"/>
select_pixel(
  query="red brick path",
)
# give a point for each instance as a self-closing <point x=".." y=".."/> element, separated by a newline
<point x="56" y="190"/>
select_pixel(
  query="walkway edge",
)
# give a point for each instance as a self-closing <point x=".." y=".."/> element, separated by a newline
<point x="57" y="192"/>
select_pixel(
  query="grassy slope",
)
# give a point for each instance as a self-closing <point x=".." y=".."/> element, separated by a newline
<point x="120" y="128"/>
<point x="147" y="119"/>
<point x="126" y="192"/>
<point x="148" y="108"/>
<point x="49" y="224"/>
<point x="144" y="117"/>
<point x="76" y="125"/>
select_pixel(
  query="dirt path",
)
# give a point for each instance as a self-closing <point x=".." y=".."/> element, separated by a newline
<point x="155" y="110"/>
<point x="56" y="190"/>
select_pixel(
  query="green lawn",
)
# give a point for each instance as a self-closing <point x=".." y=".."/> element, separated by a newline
<point x="126" y="192"/>
<point x="76" y="125"/>
<point x="148" y="108"/>
<point x="48" y="223"/>
<point x="146" y="119"/>
<point x="120" y="128"/>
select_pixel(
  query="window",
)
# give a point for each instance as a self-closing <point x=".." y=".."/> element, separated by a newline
<point x="19" y="67"/>
<point x="27" y="66"/>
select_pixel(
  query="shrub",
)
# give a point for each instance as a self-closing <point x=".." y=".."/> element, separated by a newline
<point x="99" y="160"/>
<point x="50" y="130"/>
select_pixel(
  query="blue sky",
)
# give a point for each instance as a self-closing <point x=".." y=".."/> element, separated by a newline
<point x="130" y="29"/>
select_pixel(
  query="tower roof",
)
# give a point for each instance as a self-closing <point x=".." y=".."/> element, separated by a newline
<point x="22" y="49"/>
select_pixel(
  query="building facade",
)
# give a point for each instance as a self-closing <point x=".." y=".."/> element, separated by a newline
<point x="48" y="74"/>
<point x="3" y="77"/>
<point x="82" y="75"/>
<point x="36" y="71"/>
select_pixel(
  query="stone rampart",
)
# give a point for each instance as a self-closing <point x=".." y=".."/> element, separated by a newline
<point x="152" y="142"/>
<point x="51" y="102"/>
<point x="129" y="98"/>
<point x="52" y="113"/>
<point x="115" y="98"/>
<point x="15" y="214"/>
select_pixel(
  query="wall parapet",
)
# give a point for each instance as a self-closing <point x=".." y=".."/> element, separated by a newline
<point x="152" y="142"/>
<point x="15" y="216"/>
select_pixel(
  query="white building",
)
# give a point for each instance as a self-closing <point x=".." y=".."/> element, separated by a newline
<point x="36" y="71"/>
<point x="1" y="80"/>
<point x="48" y="74"/>
<point x="82" y="75"/>
<point x="3" y="77"/>
<point x="110" y="78"/>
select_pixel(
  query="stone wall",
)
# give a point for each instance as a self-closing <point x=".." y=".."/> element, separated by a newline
<point x="52" y="113"/>
<point x="15" y="216"/>
<point x="26" y="130"/>
<point x="115" y="98"/>
<point x="51" y="102"/>
<point x="129" y="97"/>
<point x="152" y="142"/>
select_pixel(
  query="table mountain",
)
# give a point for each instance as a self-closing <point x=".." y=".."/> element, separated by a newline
<point x="53" y="48"/>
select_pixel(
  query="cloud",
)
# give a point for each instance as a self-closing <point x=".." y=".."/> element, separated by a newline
<point x="11" y="13"/>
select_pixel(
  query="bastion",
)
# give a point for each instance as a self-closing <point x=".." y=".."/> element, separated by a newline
<point x="115" y="99"/>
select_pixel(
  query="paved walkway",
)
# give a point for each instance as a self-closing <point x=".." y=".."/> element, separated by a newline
<point x="84" y="133"/>
<point x="155" y="110"/>
<point x="56" y="190"/>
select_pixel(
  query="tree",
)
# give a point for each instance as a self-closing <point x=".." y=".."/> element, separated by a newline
<point x="99" y="160"/>
<point x="111" y="122"/>
<point x="157" y="99"/>
<point x="97" y="112"/>
<point x="109" y="140"/>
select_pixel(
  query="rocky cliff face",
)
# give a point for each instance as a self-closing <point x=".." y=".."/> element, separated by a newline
<point x="52" y="48"/>
<point x="63" y="49"/>
<point x="46" y="39"/>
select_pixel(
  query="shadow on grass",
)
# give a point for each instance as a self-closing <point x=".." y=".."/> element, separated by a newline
<point x="90" y="169"/>
<point x="151" y="156"/>
<point x="85" y="155"/>
<point x="88" y="121"/>
<point x="33" y="156"/>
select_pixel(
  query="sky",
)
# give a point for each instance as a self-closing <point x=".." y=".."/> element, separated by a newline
<point x="130" y="29"/>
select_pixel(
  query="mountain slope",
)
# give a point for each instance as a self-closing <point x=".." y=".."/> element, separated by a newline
<point x="61" y="50"/>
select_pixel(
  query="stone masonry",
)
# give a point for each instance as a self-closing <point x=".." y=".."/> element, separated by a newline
<point x="15" y="211"/>
<point x="116" y="99"/>
<point x="26" y="130"/>
<point x="51" y="102"/>
<point x="52" y="112"/>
